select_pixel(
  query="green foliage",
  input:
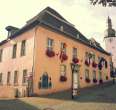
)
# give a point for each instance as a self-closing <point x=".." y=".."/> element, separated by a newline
<point x="104" y="2"/>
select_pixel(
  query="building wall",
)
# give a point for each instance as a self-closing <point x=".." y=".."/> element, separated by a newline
<point x="42" y="63"/>
<point x="111" y="47"/>
<point x="19" y="63"/>
<point x="52" y="65"/>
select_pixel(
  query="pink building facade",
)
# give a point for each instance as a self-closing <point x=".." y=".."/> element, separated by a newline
<point x="36" y="59"/>
<point x="10" y="66"/>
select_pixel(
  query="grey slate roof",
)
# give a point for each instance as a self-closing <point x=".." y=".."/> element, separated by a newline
<point x="51" y="19"/>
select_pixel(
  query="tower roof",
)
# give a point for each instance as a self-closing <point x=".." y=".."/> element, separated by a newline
<point x="110" y="32"/>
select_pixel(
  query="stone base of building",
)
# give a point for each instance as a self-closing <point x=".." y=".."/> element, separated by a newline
<point x="21" y="91"/>
<point x="12" y="91"/>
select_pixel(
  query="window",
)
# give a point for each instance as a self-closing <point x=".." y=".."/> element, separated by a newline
<point x="1" y="52"/>
<point x="14" y="51"/>
<point x="15" y="77"/>
<point x="86" y="55"/>
<point x="50" y="44"/>
<point x="63" y="47"/>
<point x="8" y="78"/>
<point x="77" y="36"/>
<point x="63" y="70"/>
<point x="45" y="81"/>
<point x="74" y="52"/>
<point x="23" y="48"/>
<point x="86" y="74"/>
<point x="94" y="74"/>
<point x="100" y="75"/>
<point x="0" y="78"/>
<point x="24" y="76"/>
<point x="99" y="58"/>
<point x="61" y="28"/>
<point x="93" y="57"/>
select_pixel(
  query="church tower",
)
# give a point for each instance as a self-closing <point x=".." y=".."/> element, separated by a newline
<point x="110" y="40"/>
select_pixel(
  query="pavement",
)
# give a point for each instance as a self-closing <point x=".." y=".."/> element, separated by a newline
<point x="101" y="97"/>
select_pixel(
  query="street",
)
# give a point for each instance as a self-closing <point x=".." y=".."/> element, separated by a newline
<point x="102" y="97"/>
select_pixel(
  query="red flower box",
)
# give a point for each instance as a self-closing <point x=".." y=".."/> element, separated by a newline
<point x="100" y="81"/>
<point x="87" y="80"/>
<point x="95" y="80"/>
<point x="50" y="53"/>
<point x="107" y="78"/>
<point x="94" y="64"/>
<point x="75" y="60"/>
<point x="64" y="57"/>
<point x="63" y="78"/>
<point x="87" y="63"/>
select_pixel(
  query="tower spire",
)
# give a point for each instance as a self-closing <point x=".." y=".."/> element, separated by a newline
<point x="110" y="32"/>
<point x="109" y="23"/>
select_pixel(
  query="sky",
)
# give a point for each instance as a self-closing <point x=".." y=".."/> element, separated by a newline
<point x="89" y="20"/>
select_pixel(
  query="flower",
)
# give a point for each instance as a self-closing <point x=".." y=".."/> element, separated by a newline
<point x="94" y="64"/>
<point x="100" y="81"/>
<point x="63" y="78"/>
<point x="87" y="63"/>
<point x="63" y="56"/>
<point x="87" y="80"/>
<point x="75" y="60"/>
<point x="95" y="80"/>
<point x="50" y="53"/>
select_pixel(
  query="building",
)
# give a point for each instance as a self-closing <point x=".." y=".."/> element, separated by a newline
<point x="110" y="41"/>
<point x="36" y="59"/>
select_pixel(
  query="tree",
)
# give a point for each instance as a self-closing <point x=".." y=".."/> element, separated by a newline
<point x="104" y="2"/>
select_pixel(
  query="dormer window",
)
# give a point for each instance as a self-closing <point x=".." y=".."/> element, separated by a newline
<point x="78" y="36"/>
<point x="90" y="42"/>
<point x="9" y="34"/>
<point x="61" y="28"/>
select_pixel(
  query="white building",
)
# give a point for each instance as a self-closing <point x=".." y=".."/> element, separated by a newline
<point x="110" y="41"/>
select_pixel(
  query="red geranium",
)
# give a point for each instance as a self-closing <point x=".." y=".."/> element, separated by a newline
<point x="50" y="53"/>
<point x="75" y="60"/>
<point x="87" y="80"/>
<point x="87" y="63"/>
<point x="63" y="56"/>
<point x="100" y="81"/>
<point x="94" y="64"/>
<point x="63" y="78"/>
<point x="95" y="80"/>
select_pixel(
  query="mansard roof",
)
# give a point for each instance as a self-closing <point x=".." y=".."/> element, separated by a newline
<point x="53" y="20"/>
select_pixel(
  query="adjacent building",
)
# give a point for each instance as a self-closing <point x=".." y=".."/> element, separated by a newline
<point x="110" y="40"/>
<point x="37" y="58"/>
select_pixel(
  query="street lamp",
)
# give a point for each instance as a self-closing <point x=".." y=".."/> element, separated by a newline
<point x="75" y="79"/>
